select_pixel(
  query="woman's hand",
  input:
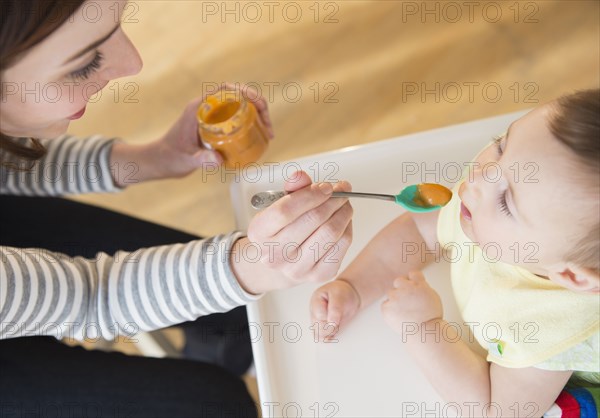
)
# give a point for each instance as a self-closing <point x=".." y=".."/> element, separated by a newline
<point x="332" y="306"/>
<point x="181" y="149"/>
<point x="302" y="237"/>
<point x="411" y="300"/>
<point x="178" y="152"/>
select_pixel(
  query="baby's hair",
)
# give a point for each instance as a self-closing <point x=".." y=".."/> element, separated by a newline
<point x="575" y="122"/>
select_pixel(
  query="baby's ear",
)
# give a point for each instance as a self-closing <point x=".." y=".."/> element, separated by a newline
<point x="579" y="279"/>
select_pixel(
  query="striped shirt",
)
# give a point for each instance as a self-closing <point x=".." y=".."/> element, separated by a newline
<point x="48" y="293"/>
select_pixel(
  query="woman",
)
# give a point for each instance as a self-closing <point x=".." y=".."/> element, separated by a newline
<point x="73" y="270"/>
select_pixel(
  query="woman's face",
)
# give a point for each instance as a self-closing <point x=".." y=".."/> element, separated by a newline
<point x="51" y="84"/>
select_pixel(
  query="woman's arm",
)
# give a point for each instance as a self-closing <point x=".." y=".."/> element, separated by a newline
<point x="47" y="293"/>
<point x="71" y="166"/>
<point x="302" y="237"/>
<point x="175" y="154"/>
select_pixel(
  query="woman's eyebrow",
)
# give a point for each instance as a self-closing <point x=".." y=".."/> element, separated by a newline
<point x="93" y="45"/>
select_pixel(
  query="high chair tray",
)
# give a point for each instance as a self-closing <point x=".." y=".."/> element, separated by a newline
<point x="367" y="372"/>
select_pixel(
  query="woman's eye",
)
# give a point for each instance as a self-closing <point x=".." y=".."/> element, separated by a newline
<point x="89" y="69"/>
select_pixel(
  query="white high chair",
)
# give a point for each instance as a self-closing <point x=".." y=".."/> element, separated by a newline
<point x="366" y="373"/>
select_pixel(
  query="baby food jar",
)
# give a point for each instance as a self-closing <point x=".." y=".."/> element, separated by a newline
<point x="230" y="124"/>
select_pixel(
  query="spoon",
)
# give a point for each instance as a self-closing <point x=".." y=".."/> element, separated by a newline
<point x="423" y="197"/>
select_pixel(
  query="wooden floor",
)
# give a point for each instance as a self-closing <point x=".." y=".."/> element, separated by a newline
<point x="362" y="71"/>
<point x="365" y="71"/>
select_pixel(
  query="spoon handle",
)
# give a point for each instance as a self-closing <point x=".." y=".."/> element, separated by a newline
<point x="264" y="199"/>
<point x="365" y="195"/>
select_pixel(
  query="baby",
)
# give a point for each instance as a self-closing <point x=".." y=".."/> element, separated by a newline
<point x="524" y="227"/>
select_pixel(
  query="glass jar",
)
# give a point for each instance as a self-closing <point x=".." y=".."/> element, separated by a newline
<point x="230" y="124"/>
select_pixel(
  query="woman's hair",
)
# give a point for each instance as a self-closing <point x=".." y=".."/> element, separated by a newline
<point x="24" y="24"/>
<point x="575" y="122"/>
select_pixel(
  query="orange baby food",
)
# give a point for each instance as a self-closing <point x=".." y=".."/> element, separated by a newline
<point x="431" y="194"/>
<point x="231" y="125"/>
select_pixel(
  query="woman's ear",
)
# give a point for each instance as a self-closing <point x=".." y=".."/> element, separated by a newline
<point x="579" y="279"/>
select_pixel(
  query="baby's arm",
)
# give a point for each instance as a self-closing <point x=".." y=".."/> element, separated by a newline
<point x="407" y="243"/>
<point x="460" y="375"/>
<point x="414" y="310"/>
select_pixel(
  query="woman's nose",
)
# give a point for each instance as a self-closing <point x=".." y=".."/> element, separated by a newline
<point x="124" y="59"/>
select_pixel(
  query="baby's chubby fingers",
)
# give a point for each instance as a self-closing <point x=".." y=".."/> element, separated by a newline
<point x="318" y="307"/>
<point x="332" y="306"/>
<point x="325" y="317"/>
<point x="411" y="299"/>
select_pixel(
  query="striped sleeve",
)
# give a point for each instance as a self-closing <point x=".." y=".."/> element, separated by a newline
<point x="71" y="166"/>
<point x="46" y="293"/>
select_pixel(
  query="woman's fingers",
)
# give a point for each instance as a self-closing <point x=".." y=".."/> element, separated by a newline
<point x="308" y="204"/>
<point x="328" y="266"/>
<point x="309" y="244"/>
<point x="317" y="224"/>
<point x="250" y="94"/>
<point x="305" y="234"/>
<point x="297" y="181"/>
<point x="268" y="223"/>
<point x="259" y="101"/>
<point x="322" y="245"/>
<point x="315" y="259"/>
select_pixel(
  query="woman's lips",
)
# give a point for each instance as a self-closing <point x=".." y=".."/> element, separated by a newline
<point x="77" y="115"/>
<point x="465" y="212"/>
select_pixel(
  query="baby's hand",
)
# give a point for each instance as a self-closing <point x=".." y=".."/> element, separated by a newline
<point x="331" y="306"/>
<point x="411" y="301"/>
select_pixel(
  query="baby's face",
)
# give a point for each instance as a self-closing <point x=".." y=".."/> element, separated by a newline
<point x="520" y="202"/>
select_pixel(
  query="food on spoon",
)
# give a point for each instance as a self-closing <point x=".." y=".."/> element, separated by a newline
<point x="431" y="194"/>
